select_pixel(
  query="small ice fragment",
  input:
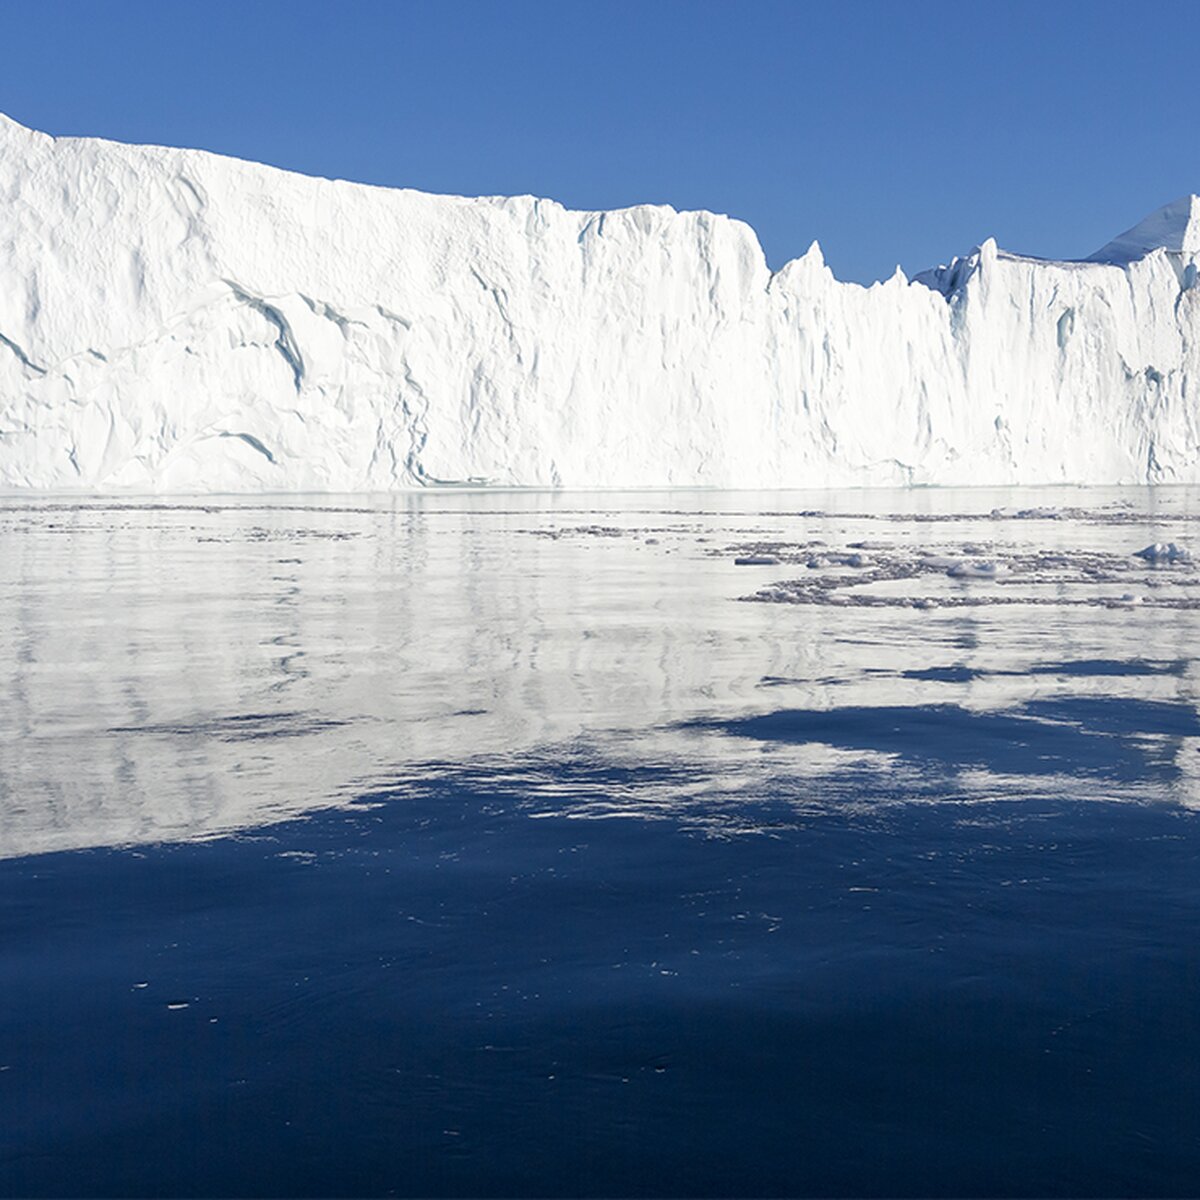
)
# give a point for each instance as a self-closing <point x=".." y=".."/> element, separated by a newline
<point x="978" y="569"/>
<point x="756" y="560"/>
<point x="173" y="1005"/>
<point x="141" y="984"/>
<point x="1164" y="552"/>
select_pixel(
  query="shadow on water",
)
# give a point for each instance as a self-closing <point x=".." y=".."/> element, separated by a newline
<point x="1105" y="737"/>
<point x="1111" y="667"/>
<point x="1094" y="668"/>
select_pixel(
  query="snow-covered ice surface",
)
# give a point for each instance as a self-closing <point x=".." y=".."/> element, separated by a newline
<point x="665" y="843"/>
<point x="175" y="321"/>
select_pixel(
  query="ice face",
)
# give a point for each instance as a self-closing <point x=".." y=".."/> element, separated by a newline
<point x="171" y="320"/>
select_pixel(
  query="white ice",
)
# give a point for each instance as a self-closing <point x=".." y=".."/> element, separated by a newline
<point x="172" y="320"/>
<point x="1165" y="552"/>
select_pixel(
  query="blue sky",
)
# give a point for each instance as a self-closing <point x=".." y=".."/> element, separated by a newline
<point x="891" y="132"/>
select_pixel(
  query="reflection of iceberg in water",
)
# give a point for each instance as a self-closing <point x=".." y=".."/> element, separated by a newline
<point x="177" y="671"/>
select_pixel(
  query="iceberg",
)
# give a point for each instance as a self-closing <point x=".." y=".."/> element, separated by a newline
<point x="177" y="321"/>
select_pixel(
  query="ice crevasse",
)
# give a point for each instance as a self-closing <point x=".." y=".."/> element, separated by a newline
<point x="172" y="320"/>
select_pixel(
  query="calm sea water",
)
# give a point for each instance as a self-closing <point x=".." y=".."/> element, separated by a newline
<point x="660" y="844"/>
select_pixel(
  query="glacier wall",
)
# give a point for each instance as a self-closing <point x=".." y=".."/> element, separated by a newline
<point x="172" y="320"/>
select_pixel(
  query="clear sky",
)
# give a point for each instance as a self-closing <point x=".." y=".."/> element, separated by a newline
<point x="901" y="132"/>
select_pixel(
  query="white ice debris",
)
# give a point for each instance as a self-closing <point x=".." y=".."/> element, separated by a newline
<point x="177" y="321"/>
<point x="939" y="562"/>
<point x="1164" y="552"/>
<point x="1027" y="514"/>
<point x="978" y="569"/>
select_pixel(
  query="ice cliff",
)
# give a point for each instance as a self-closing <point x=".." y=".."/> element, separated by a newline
<point x="174" y="320"/>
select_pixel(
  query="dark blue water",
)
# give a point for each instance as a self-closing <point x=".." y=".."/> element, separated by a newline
<point x="871" y="908"/>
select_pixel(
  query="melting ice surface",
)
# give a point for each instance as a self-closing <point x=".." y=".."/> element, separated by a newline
<point x="667" y="843"/>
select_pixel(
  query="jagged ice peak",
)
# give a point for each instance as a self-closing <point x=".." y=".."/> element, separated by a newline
<point x="1174" y="227"/>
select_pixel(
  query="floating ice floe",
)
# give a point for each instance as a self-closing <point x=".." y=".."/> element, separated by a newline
<point x="1026" y="514"/>
<point x="839" y="559"/>
<point x="978" y="569"/>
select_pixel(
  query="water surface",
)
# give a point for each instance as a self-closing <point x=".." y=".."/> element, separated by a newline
<point x="539" y="844"/>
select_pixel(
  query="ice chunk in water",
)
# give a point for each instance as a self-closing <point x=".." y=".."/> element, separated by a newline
<point x="978" y="569"/>
<point x="1164" y="552"/>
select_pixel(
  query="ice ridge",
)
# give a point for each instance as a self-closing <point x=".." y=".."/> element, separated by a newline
<point x="172" y="320"/>
<point x="1175" y="227"/>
